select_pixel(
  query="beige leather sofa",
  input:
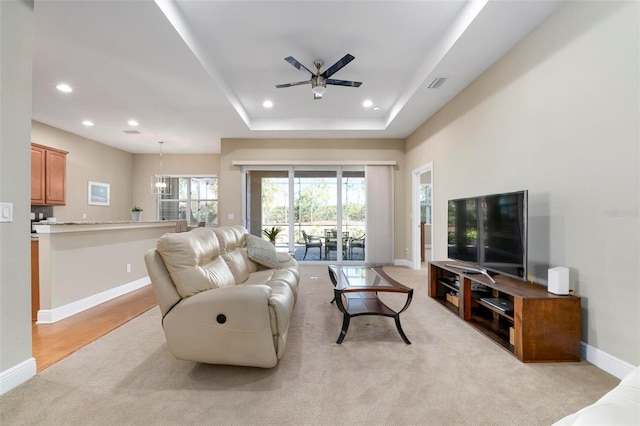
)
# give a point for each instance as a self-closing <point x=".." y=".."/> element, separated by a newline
<point x="619" y="406"/>
<point x="219" y="305"/>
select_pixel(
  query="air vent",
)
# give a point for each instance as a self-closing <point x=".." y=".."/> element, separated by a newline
<point x="437" y="82"/>
<point x="131" y="132"/>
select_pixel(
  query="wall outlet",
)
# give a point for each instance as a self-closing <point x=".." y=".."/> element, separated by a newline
<point x="84" y="215"/>
<point x="128" y="268"/>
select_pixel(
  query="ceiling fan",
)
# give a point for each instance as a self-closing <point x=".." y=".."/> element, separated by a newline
<point x="319" y="81"/>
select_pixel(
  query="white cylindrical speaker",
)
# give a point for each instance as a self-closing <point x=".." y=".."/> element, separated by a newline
<point x="558" y="280"/>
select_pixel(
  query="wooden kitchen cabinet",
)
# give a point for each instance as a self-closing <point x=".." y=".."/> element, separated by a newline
<point x="48" y="176"/>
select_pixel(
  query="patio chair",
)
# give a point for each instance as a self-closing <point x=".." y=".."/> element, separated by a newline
<point x="357" y="243"/>
<point x="311" y="241"/>
<point x="331" y="242"/>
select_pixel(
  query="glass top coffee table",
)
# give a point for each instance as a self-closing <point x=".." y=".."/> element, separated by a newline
<point x="356" y="290"/>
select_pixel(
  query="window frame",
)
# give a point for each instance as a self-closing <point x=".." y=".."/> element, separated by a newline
<point x="189" y="201"/>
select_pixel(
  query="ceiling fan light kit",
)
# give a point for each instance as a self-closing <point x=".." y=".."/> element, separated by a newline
<point x="319" y="81"/>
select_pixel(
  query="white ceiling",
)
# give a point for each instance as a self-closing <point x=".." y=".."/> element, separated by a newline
<point x="193" y="72"/>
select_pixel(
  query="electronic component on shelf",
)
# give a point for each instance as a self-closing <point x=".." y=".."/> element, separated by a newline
<point x="503" y="305"/>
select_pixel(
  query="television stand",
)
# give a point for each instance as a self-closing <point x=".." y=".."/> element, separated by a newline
<point x="543" y="327"/>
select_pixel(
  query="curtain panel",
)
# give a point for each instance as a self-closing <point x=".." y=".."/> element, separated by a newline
<point x="379" y="247"/>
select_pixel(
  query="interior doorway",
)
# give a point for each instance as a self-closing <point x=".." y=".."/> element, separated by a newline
<point x="422" y="190"/>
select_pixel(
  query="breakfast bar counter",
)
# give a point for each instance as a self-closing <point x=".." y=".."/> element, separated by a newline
<point x="85" y="263"/>
<point x="46" y="227"/>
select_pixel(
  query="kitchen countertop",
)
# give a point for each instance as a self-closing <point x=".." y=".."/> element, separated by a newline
<point x="46" y="227"/>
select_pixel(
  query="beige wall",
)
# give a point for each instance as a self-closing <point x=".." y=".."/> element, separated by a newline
<point x="77" y="265"/>
<point x="147" y="165"/>
<point x="16" y="51"/>
<point x="230" y="187"/>
<point x="129" y="175"/>
<point x="558" y="116"/>
<point x="88" y="160"/>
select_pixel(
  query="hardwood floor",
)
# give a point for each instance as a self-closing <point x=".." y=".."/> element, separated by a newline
<point x="54" y="342"/>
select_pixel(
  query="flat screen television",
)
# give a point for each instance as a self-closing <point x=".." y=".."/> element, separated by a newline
<point x="462" y="235"/>
<point x="490" y="231"/>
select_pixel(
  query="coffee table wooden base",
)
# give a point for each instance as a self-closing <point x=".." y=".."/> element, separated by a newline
<point x="372" y="306"/>
<point x="355" y="301"/>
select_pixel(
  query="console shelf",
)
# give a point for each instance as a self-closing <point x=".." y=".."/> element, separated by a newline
<point x="543" y="327"/>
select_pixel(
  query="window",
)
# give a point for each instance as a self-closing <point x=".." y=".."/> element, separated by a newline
<point x="425" y="203"/>
<point x="194" y="199"/>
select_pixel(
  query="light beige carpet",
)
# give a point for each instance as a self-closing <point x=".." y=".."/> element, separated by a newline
<point x="450" y="374"/>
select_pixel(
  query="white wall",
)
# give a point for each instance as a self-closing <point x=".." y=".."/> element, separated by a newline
<point x="558" y="116"/>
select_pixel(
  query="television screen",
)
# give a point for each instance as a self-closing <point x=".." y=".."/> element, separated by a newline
<point x="490" y="232"/>
<point x="504" y="233"/>
<point x="462" y="237"/>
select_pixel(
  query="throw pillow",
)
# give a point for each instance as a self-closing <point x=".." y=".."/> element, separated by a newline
<point x="262" y="252"/>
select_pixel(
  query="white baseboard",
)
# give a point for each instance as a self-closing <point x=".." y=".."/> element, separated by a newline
<point x="48" y="316"/>
<point x="17" y="375"/>
<point x="403" y="262"/>
<point x="604" y="361"/>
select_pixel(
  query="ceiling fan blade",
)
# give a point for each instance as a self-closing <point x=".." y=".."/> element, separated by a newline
<point x="344" y="82"/>
<point x="298" y="65"/>
<point x="337" y="66"/>
<point x="299" y="83"/>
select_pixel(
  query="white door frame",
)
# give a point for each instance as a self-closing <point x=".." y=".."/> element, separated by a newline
<point x="415" y="212"/>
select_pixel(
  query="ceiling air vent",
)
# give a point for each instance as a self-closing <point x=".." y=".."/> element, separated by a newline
<point x="437" y="82"/>
<point x="131" y="132"/>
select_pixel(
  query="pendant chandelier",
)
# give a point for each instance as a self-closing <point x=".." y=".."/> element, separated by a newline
<point x="160" y="183"/>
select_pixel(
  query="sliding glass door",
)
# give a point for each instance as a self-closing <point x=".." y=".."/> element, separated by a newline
<point x="354" y="213"/>
<point x="316" y="214"/>
<point x="321" y="211"/>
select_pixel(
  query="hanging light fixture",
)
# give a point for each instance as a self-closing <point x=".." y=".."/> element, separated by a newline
<point x="160" y="183"/>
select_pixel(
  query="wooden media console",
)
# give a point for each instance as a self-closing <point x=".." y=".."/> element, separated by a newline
<point x="535" y="326"/>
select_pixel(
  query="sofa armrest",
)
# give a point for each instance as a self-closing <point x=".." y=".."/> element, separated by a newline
<point x="619" y="406"/>
<point x="239" y="308"/>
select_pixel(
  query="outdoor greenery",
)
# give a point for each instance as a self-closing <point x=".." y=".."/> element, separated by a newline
<point x="312" y="205"/>
<point x="272" y="233"/>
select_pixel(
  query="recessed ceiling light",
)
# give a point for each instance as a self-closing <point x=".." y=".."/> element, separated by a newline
<point x="267" y="104"/>
<point x="64" y="87"/>
<point x="367" y="103"/>
<point x="88" y="123"/>
<point x="133" y="123"/>
<point x="376" y="108"/>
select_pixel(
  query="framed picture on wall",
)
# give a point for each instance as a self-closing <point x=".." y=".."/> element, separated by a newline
<point x="99" y="194"/>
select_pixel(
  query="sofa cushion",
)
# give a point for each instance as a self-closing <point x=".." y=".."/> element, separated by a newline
<point x="193" y="261"/>
<point x="239" y="264"/>
<point x="262" y="252"/>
